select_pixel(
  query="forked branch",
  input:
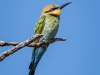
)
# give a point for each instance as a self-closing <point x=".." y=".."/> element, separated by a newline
<point x="19" y="46"/>
<point x="28" y="43"/>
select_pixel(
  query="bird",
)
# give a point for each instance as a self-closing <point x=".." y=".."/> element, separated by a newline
<point x="48" y="25"/>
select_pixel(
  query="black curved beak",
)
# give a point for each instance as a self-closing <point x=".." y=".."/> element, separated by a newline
<point x="62" y="6"/>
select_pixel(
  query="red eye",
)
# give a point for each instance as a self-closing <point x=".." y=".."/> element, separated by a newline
<point x="51" y="9"/>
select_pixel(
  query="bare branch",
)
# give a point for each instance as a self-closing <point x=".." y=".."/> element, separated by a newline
<point x="46" y="42"/>
<point x="2" y="43"/>
<point x="19" y="46"/>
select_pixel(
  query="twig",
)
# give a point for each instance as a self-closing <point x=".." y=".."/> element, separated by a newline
<point x="46" y="42"/>
<point x="19" y="46"/>
<point x="3" y="43"/>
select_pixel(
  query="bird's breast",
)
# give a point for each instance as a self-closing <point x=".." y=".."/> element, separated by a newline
<point x="51" y="27"/>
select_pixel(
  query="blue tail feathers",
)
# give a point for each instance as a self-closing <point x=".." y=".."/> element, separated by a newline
<point x="36" y="56"/>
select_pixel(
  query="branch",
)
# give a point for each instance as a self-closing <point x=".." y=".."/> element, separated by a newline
<point x="46" y="42"/>
<point x="3" y="43"/>
<point x="19" y="46"/>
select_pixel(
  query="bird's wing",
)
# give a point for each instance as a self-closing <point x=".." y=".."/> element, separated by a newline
<point x="39" y="27"/>
<point x="38" y="30"/>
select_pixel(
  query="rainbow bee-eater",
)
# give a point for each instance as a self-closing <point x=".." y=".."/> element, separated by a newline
<point x="47" y="25"/>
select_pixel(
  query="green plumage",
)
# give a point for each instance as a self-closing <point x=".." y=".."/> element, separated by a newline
<point x="47" y="25"/>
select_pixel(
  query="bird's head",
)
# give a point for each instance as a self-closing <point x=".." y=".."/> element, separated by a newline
<point x="54" y="9"/>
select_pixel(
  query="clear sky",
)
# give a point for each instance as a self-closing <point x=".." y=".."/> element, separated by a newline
<point x="79" y="23"/>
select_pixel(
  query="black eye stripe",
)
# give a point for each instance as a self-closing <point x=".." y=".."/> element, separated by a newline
<point x="52" y="9"/>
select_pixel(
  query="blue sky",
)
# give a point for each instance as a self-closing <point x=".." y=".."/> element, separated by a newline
<point x="80" y="24"/>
